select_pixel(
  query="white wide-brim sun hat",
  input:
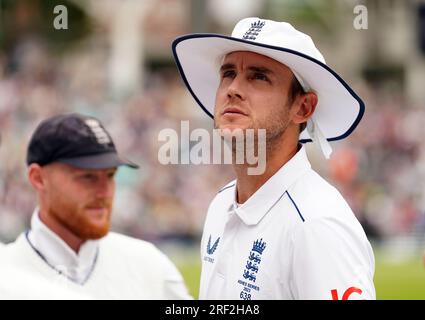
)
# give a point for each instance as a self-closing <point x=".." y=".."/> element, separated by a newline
<point x="339" y="109"/>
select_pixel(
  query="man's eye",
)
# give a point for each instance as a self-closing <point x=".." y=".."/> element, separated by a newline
<point x="88" y="177"/>
<point x="228" y="74"/>
<point x="260" y="76"/>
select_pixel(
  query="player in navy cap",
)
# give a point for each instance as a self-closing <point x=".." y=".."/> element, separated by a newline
<point x="72" y="162"/>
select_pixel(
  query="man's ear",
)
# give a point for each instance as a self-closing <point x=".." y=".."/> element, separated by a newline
<point x="306" y="105"/>
<point x="36" y="176"/>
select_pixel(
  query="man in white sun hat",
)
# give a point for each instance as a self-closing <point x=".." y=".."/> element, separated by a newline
<point x="287" y="233"/>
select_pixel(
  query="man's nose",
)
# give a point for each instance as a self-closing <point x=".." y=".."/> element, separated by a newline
<point x="105" y="188"/>
<point x="236" y="88"/>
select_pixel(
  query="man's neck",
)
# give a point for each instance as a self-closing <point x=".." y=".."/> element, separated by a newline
<point x="58" y="228"/>
<point x="277" y="155"/>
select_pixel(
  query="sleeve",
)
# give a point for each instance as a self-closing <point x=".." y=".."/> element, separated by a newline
<point x="175" y="288"/>
<point x="332" y="261"/>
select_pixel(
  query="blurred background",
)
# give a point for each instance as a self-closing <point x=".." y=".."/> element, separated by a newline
<point x="114" y="62"/>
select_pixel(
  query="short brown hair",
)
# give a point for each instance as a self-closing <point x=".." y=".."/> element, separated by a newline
<point x="295" y="90"/>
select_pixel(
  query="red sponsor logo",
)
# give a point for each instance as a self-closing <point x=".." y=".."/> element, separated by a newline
<point x="346" y="294"/>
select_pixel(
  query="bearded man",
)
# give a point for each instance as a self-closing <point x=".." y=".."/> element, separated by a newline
<point x="72" y="162"/>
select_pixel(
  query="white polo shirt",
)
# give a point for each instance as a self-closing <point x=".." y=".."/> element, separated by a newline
<point x="295" y="238"/>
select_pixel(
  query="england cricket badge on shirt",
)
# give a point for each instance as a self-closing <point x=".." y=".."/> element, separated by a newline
<point x="251" y="270"/>
<point x="211" y="247"/>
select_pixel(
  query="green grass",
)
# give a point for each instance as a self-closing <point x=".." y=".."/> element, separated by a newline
<point x="402" y="280"/>
<point x="191" y="273"/>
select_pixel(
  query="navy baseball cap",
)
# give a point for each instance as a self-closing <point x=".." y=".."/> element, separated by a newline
<point x="74" y="139"/>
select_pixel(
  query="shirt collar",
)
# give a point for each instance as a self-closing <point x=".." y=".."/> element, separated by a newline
<point x="59" y="255"/>
<point x="263" y="200"/>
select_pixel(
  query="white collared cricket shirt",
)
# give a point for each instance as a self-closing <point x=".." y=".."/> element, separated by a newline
<point x="295" y="238"/>
<point x="114" y="267"/>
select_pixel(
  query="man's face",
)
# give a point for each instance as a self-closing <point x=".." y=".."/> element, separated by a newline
<point x="253" y="93"/>
<point x="80" y="199"/>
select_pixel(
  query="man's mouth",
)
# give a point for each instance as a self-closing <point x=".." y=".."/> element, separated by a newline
<point x="233" y="110"/>
<point x="97" y="211"/>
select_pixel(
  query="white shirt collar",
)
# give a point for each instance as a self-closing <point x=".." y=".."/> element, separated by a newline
<point x="59" y="255"/>
<point x="261" y="202"/>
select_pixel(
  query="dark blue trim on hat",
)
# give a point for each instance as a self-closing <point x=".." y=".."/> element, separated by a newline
<point x="224" y="188"/>
<point x="212" y="35"/>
